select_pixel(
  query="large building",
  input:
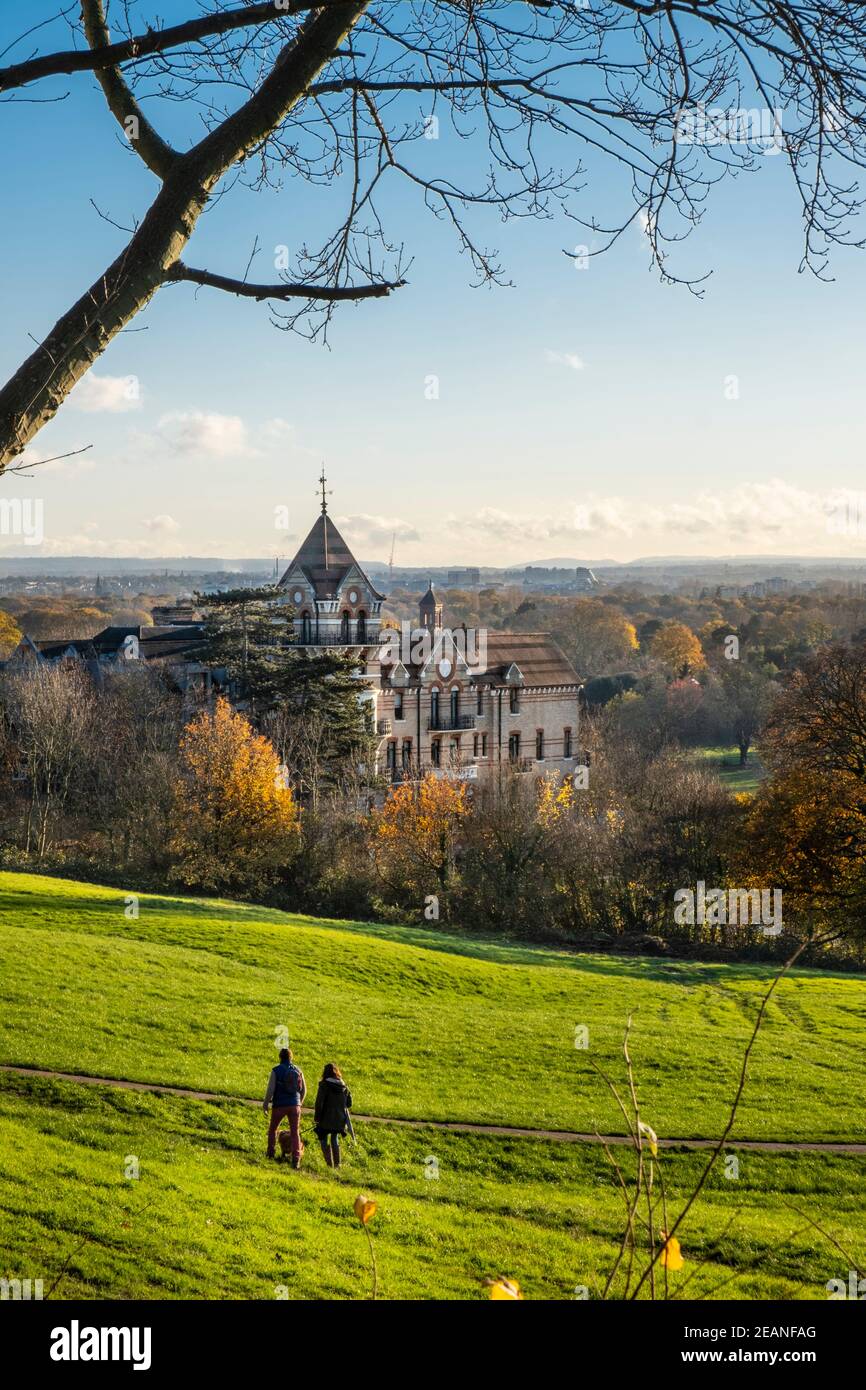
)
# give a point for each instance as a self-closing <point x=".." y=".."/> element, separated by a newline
<point x="452" y="701"/>
<point x="448" y="700"/>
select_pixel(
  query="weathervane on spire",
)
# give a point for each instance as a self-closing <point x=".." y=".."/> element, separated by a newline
<point x="325" y="494"/>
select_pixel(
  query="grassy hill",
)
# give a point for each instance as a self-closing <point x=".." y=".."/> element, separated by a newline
<point x="428" y="1026"/>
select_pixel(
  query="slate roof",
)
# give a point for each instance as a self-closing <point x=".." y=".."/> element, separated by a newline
<point x="54" y="647"/>
<point x="540" y="660"/>
<point x="325" y="559"/>
<point x="171" y="640"/>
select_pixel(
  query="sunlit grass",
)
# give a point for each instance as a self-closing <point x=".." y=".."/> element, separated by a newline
<point x="426" y="1025"/>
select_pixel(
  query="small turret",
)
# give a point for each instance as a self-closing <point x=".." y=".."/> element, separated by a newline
<point x="430" y="610"/>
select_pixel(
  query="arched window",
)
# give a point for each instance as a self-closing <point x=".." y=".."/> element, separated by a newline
<point x="344" y="626"/>
<point x="434" y="709"/>
<point x="362" y="626"/>
<point x="306" y="630"/>
<point x="455" y="707"/>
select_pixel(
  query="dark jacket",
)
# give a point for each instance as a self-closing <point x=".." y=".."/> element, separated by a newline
<point x="289" y="1085"/>
<point x="333" y="1102"/>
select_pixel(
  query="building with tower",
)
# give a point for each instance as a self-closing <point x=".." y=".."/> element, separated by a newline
<point x="452" y="701"/>
<point x="335" y="603"/>
<point x="457" y="702"/>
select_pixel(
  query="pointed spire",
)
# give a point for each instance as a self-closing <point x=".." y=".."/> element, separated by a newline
<point x="325" y="496"/>
<point x="325" y="493"/>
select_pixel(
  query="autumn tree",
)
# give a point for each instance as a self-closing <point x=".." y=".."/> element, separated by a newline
<point x="505" y="879"/>
<point x="132" y="763"/>
<point x="805" y="833"/>
<point x="415" y="837"/>
<point x="676" y="648"/>
<point x="10" y="635"/>
<point x="236" y="822"/>
<point x="344" y="92"/>
<point x="807" y="826"/>
<point x="596" y="637"/>
<point x="741" y="698"/>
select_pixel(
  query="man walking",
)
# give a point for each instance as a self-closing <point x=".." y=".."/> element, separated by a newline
<point x="285" y="1096"/>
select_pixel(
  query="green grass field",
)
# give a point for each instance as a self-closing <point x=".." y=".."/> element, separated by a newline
<point x="209" y="1218"/>
<point x="426" y="1025"/>
<point x="725" y="763"/>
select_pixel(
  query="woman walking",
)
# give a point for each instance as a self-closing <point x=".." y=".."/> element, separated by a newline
<point x="331" y="1117"/>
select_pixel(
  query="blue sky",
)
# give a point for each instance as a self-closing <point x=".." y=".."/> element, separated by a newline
<point x="581" y="413"/>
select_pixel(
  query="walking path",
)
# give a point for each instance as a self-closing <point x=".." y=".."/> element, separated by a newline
<point x="562" y="1136"/>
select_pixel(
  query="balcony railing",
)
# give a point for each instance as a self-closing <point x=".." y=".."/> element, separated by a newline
<point x="447" y="722"/>
<point x="331" y="639"/>
<point x="459" y="772"/>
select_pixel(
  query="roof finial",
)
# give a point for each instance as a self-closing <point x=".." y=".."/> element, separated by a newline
<point x="325" y="494"/>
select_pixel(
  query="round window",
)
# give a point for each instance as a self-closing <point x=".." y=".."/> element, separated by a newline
<point x="445" y="667"/>
<point x="297" y="596"/>
<point x="353" y="596"/>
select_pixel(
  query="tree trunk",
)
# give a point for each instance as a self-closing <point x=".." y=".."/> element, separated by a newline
<point x="34" y="394"/>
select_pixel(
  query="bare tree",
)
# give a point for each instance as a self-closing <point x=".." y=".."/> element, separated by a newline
<point x="50" y="713"/>
<point x="541" y="92"/>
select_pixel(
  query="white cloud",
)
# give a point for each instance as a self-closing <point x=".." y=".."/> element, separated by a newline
<point x="106" y="395"/>
<point x="276" y="431"/>
<point x="772" y="517"/>
<point x="363" y="529"/>
<point x="163" y="524"/>
<point x="203" y="432"/>
<point x="564" y="359"/>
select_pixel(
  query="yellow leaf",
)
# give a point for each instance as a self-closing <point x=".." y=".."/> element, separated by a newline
<point x="652" y="1138"/>
<point x="671" y="1256"/>
<point x="365" y="1208"/>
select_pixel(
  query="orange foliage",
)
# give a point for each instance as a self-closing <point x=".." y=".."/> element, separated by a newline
<point x="235" y="820"/>
<point x="415" y="832"/>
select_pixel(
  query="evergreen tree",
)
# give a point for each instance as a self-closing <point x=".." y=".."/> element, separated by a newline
<point x="308" y="700"/>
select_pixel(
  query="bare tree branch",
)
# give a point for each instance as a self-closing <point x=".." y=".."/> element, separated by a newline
<point x="283" y="289"/>
<point x="144" y="139"/>
<point x="141" y="46"/>
<point x="676" y="93"/>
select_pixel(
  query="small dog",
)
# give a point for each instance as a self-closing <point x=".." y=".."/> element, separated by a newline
<point x="285" y="1142"/>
